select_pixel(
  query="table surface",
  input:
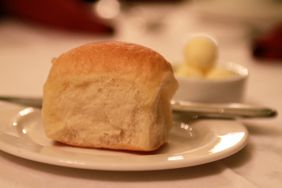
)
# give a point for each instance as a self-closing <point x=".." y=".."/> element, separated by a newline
<point x="25" y="54"/>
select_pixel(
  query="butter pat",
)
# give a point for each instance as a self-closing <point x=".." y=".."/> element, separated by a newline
<point x="189" y="72"/>
<point x="201" y="52"/>
<point x="220" y="73"/>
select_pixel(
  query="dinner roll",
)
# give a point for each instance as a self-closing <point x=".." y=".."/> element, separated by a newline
<point x="110" y="95"/>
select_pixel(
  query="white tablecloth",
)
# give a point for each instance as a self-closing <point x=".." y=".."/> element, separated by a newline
<point x="25" y="54"/>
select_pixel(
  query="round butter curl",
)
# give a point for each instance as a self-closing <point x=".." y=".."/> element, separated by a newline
<point x="201" y="53"/>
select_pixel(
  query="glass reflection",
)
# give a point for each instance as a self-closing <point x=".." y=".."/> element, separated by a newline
<point x="175" y="158"/>
<point x="187" y="127"/>
<point x="227" y="141"/>
<point x="26" y="111"/>
<point x="107" y="9"/>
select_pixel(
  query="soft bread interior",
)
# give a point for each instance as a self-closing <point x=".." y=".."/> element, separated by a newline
<point x="108" y="111"/>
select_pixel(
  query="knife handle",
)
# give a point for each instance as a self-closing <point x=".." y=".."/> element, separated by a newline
<point x="226" y="110"/>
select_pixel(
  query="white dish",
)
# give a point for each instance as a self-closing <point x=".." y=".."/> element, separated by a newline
<point x="21" y="134"/>
<point x="214" y="91"/>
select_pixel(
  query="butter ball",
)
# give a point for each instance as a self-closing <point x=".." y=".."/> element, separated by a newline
<point x="189" y="72"/>
<point x="220" y="73"/>
<point x="201" y="52"/>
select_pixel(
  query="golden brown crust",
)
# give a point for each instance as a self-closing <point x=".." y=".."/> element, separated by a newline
<point x="110" y="57"/>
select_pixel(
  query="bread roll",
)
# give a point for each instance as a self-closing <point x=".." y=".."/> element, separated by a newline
<point x="110" y="95"/>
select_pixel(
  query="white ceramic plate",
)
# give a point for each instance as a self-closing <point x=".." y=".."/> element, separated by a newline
<point x="21" y="134"/>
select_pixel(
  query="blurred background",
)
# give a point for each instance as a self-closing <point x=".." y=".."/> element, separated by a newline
<point x="32" y="32"/>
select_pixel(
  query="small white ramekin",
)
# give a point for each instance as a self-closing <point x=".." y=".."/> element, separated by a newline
<point x="214" y="91"/>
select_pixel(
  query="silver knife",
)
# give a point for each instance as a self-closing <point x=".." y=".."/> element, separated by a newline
<point x="199" y="110"/>
<point x="222" y="110"/>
